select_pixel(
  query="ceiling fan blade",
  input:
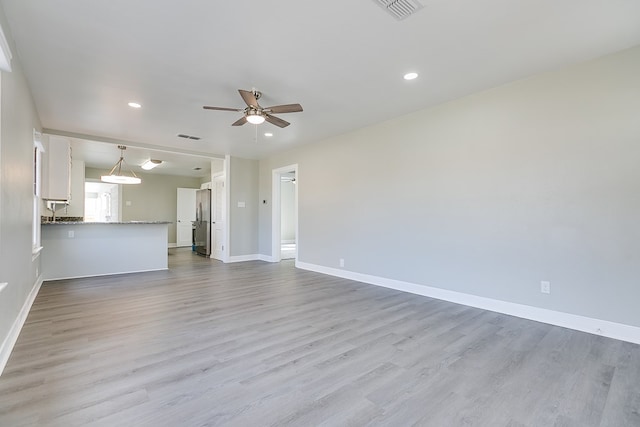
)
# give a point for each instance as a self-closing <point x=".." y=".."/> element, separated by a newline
<point x="249" y="98"/>
<point x="240" y="121"/>
<point x="206" y="107"/>
<point x="276" y="121"/>
<point x="288" y="108"/>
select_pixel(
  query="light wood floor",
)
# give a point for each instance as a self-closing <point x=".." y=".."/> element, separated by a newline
<point x="259" y="344"/>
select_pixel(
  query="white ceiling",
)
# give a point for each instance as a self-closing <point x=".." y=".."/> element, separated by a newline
<point x="103" y="155"/>
<point x="342" y="60"/>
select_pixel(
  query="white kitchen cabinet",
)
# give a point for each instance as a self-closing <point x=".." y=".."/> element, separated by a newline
<point x="75" y="207"/>
<point x="56" y="183"/>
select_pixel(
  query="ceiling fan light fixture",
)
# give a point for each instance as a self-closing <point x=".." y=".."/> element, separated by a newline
<point x="255" y="114"/>
<point x="116" y="175"/>
<point x="150" y="164"/>
<point x="255" y="118"/>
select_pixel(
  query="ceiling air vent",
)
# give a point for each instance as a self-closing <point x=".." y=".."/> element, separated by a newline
<point x="399" y="9"/>
<point x="182" y="135"/>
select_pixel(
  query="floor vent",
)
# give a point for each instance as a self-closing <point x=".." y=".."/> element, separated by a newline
<point x="182" y="135"/>
<point x="399" y="9"/>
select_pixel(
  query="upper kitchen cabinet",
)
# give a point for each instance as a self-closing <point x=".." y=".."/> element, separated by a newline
<point x="56" y="183"/>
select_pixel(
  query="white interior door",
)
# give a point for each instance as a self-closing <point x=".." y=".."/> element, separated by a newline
<point x="186" y="213"/>
<point x="217" y="218"/>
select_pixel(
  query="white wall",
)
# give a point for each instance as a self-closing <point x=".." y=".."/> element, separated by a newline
<point x="17" y="121"/>
<point x="490" y="194"/>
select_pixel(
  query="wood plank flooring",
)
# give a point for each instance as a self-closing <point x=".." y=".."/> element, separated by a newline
<point x="260" y="344"/>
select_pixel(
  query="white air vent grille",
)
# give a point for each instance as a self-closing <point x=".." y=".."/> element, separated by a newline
<point x="399" y="9"/>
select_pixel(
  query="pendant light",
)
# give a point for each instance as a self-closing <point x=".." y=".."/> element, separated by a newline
<point x="116" y="175"/>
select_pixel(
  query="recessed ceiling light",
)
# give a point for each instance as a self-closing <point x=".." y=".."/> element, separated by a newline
<point x="134" y="105"/>
<point x="268" y="134"/>
<point x="410" y="76"/>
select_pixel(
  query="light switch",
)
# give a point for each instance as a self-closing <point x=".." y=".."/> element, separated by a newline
<point x="241" y="204"/>
<point x="72" y="234"/>
<point x="127" y="203"/>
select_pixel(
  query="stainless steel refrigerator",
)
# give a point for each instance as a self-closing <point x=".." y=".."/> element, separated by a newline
<point x="203" y="222"/>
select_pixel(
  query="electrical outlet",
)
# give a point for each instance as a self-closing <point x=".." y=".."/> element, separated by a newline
<point x="72" y="234"/>
<point x="341" y="262"/>
<point x="545" y="287"/>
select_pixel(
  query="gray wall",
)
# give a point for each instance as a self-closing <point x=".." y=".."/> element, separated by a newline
<point x="243" y="222"/>
<point x="490" y="194"/>
<point x="155" y="199"/>
<point x="17" y="121"/>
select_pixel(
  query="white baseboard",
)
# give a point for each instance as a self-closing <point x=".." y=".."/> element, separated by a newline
<point x="106" y="274"/>
<point x="605" y="328"/>
<point x="10" y="341"/>
<point x="242" y="258"/>
<point x="174" y="245"/>
<point x="252" y="257"/>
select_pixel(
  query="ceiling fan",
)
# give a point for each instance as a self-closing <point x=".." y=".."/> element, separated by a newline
<point x="255" y="114"/>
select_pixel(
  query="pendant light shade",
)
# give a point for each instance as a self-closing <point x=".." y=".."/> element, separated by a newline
<point x="117" y="175"/>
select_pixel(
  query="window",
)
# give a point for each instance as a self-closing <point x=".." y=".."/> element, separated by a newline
<point x="101" y="202"/>
<point x="37" y="190"/>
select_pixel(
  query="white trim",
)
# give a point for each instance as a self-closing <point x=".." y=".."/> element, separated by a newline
<point x="590" y="325"/>
<point x="242" y="258"/>
<point x="106" y="274"/>
<point x="10" y="341"/>
<point x="276" y="209"/>
<point x="5" y="58"/>
<point x="287" y="241"/>
<point x="226" y="249"/>
<point x="216" y="178"/>
<point x="252" y="257"/>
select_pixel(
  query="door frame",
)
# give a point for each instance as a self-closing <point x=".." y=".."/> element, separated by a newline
<point x="219" y="177"/>
<point x="276" y="211"/>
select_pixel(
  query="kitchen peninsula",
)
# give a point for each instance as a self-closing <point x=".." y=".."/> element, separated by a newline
<point x="82" y="249"/>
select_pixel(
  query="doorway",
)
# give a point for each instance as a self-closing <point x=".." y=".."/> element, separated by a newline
<point x="285" y="186"/>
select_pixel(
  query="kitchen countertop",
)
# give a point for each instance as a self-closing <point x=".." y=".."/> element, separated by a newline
<point x="61" y="222"/>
